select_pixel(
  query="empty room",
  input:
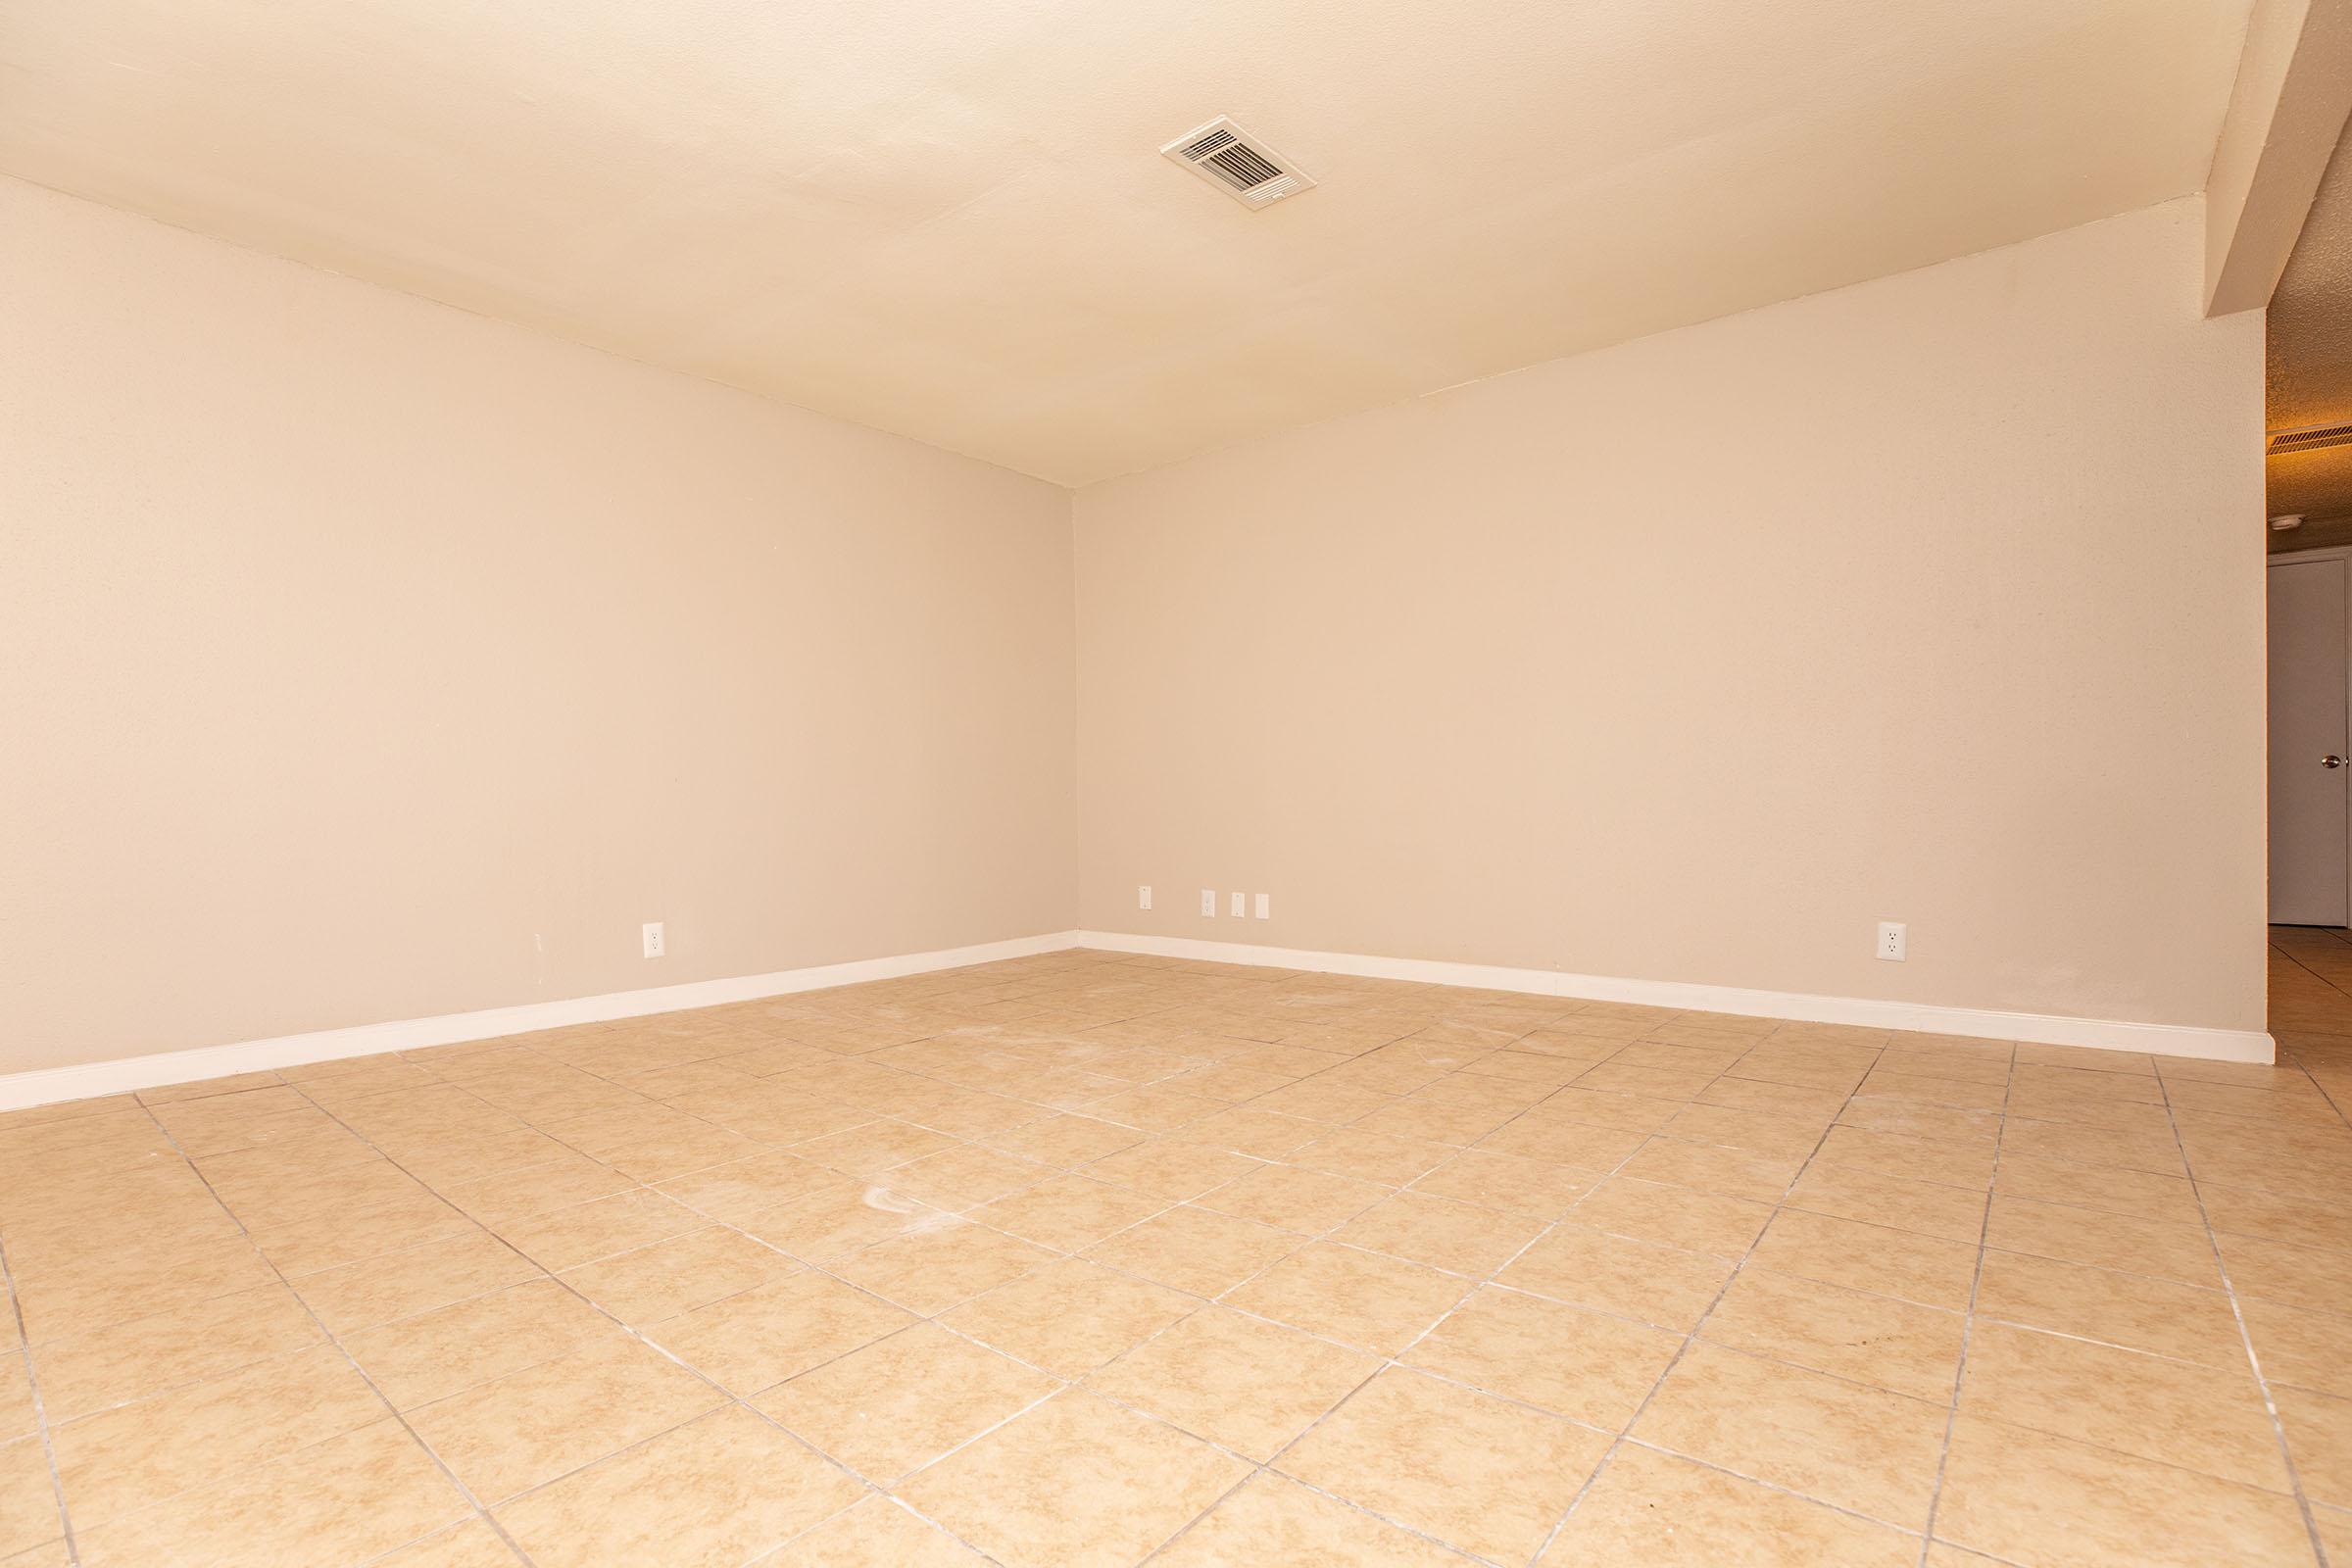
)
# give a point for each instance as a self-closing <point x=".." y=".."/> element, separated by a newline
<point x="869" y="784"/>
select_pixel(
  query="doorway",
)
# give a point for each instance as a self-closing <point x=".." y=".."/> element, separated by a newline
<point x="2311" y="737"/>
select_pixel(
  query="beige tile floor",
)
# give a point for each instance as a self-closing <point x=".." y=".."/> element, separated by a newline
<point x="1094" y="1259"/>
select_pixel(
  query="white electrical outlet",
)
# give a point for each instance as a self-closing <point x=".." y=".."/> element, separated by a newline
<point x="653" y="945"/>
<point x="1209" y="903"/>
<point x="1893" y="940"/>
<point x="1240" y="906"/>
<point x="1142" y="896"/>
<point x="1265" y="906"/>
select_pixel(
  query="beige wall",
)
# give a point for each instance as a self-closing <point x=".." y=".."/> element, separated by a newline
<point x="1937" y="598"/>
<point x="362" y="659"/>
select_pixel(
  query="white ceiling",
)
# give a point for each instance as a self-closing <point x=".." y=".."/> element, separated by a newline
<point x="949" y="217"/>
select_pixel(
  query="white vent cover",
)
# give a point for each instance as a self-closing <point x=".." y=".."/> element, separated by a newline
<point x="1237" y="163"/>
<point x="2310" y="438"/>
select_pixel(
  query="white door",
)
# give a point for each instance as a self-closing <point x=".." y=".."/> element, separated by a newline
<point x="2308" y="776"/>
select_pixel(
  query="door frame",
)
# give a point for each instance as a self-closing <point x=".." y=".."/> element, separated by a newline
<point x="2284" y="558"/>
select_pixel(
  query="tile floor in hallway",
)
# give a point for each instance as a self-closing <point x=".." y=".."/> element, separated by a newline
<point x="1097" y="1259"/>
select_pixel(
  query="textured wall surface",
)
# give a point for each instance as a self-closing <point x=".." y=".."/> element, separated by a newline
<point x="362" y="660"/>
<point x="1937" y="598"/>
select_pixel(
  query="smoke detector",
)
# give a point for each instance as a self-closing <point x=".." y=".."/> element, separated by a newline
<point x="2310" y="438"/>
<point x="2286" y="522"/>
<point x="1239" y="165"/>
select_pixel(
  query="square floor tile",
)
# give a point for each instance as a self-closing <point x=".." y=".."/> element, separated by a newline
<point x="1508" y="1182"/>
<point x="1195" y="1249"/>
<point x="29" y="1515"/>
<point x="2304" y="1348"/>
<point x="435" y="1354"/>
<point x="565" y="1181"/>
<point x="1666" y="1286"/>
<point x="127" y="1360"/>
<point x="1883" y="1262"/>
<point x="967" y="1176"/>
<point x="1076" y="1480"/>
<point x="831" y="1223"/>
<point x="471" y="1545"/>
<point x="929" y="1270"/>
<point x="1583" y="1365"/>
<point x="204" y="1434"/>
<point x="742" y="1189"/>
<point x="1380" y="1157"/>
<point x="2319" y="1433"/>
<point x="346" y="1500"/>
<point x="1175" y="1171"/>
<point x="17" y="1415"/>
<point x="1889" y="1343"/>
<point x="1710" y="1168"/>
<point x="1662" y="1511"/>
<point x="1478" y="1473"/>
<point x="720" y="1490"/>
<point x="1967" y="1162"/>
<point x="1069" y="1317"/>
<point x="398" y="1284"/>
<point x="1069" y="1142"/>
<point x="1847" y="1192"/>
<point x="1845" y="1443"/>
<point x="1070" y="1213"/>
<point x="2132" y="1310"/>
<point x="902" y="1402"/>
<point x="677" y="1275"/>
<point x="2199" y="1417"/>
<point x="2018" y="1493"/>
<point x="1291" y="1199"/>
<point x="532" y="1426"/>
<point x="878" y="1533"/>
<point x="872" y="1150"/>
<point x="1275" y="1520"/>
<point x="1238" y="1381"/>
<point x="2172" y="1249"/>
<point x="758" y="1338"/>
<point x="565" y="1238"/>
<point x="1361" y="1299"/>
<point x="1674" y="1216"/>
<point x="2117" y="1191"/>
<point x="1442" y="1232"/>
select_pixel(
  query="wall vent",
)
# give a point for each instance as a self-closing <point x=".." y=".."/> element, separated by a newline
<point x="1237" y="163"/>
<point x="2310" y="438"/>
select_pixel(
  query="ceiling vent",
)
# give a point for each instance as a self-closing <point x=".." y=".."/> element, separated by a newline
<point x="2310" y="438"/>
<point x="1238" y="164"/>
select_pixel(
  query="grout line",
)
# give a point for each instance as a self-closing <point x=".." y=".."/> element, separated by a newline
<point x="279" y="1274"/>
<point x="1689" y="1338"/>
<point x="1968" y="1323"/>
<point x="728" y="1395"/>
<point x="1256" y="1467"/>
<point x="40" y="1412"/>
<point x="1081" y="1381"/>
<point x="2261" y="1385"/>
<point x="1481" y="1050"/>
<point x="1395" y="1361"/>
<point x="1583" y="1067"/>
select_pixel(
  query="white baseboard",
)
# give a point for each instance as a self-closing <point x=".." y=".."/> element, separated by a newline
<point x="87" y="1080"/>
<point x="2054" y="1029"/>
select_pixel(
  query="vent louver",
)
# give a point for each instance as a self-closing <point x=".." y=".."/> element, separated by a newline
<point x="2310" y="438"/>
<point x="1237" y="163"/>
